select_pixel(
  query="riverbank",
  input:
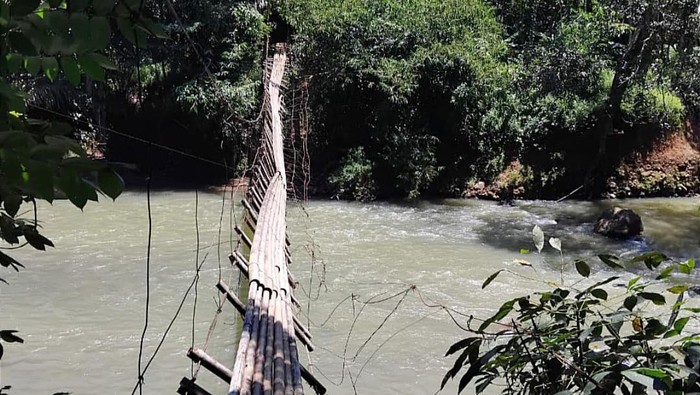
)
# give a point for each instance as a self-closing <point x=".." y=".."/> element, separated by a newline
<point x="667" y="167"/>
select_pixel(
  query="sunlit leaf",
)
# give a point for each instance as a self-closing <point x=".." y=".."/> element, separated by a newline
<point x="50" y="67"/>
<point x="680" y="324"/>
<point x="555" y="243"/>
<point x="677" y="289"/>
<point x="538" y="238"/>
<point x="632" y="281"/>
<point x="666" y="272"/>
<point x="522" y="262"/>
<point x="32" y="64"/>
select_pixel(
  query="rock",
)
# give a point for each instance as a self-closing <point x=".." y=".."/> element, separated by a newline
<point x="619" y="223"/>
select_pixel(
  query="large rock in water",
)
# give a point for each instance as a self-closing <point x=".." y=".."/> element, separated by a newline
<point x="620" y="223"/>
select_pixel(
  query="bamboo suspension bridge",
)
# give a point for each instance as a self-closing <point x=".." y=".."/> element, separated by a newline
<point x="267" y="359"/>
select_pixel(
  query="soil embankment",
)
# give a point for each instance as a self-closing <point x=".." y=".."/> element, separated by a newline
<point x="667" y="167"/>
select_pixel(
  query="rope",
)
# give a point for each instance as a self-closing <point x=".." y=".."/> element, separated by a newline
<point x="141" y="371"/>
<point x="196" y="264"/>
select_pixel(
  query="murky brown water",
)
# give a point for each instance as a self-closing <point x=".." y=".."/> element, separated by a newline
<point x="80" y="306"/>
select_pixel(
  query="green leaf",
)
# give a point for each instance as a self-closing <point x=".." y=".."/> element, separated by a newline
<point x="638" y="378"/>
<point x="40" y="179"/>
<point x="10" y="337"/>
<point x="491" y="278"/>
<point x="610" y="260"/>
<point x="70" y="70"/>
<point x="21" y="43"/>
<point x="14" y="63"/>
<point x="505" y="309"/>
<point x="631" y="282"/>
<point x="154" y="28"/>
<point x="37" y="241"/>
<point x="538" y="238"/>
<point x="91" y="67"/>
<point x="655" y="373"/>
<point x="57" y="21"/>
<point x="77" y="5"/>
<point x="583" y="269"/>
<point x="32" y="64"/>
<point x="654" y="327"/>
<point x="666" y="272"/>
<point x="100" y="33"/>
<point x="657" y="299"/>
<point x="110" y="183"/>
<point x="524" y="251"/>
<point x="131" y="32"/>
<point x="103" y="61"/>
<point x="677" y="289"/>
<point x="8" y="261"/>
<point x="464" y="343"/>
<point x="79" y="25"/>
<point x="23" y="7"/>
<point x="50" y="67"/>
<point x="630" y="302"/>
<point x="679" y="325"/>
<point x="687" y="266"/>
<point x="600" y="294"/>
<point x="650" y="259"/>
<point x="82" y="164"/>
<point x="102" y="7"/>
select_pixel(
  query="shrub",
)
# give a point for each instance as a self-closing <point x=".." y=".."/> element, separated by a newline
<point x="353" y="179"/>
<point x="587" y="339"/>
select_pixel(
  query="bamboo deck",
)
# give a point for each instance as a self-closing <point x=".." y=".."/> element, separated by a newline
<point x="267" y="360"/>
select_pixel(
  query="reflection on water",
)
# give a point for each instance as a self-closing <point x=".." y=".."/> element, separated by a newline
<point x="80" y="306"/>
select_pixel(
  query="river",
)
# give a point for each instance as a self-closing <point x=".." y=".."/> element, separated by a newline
<point x="80" y="306"/>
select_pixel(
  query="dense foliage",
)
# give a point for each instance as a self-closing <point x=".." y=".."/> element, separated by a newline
<point x="40" y="159"/>
<point x="588" y="338"/>
<point x="439" y="93"/>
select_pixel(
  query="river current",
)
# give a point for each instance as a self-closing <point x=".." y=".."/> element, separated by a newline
<point x="370" y="276"/>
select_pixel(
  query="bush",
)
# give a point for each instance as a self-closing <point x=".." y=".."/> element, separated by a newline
<point x="655" y="105"/>
<point x="586" y="338"/>
<point x="353" y="179"/>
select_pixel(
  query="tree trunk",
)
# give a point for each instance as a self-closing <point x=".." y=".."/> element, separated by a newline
<point x="634" y="64"/>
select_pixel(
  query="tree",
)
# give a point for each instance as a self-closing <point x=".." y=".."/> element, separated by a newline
<point x="39" y="159"/>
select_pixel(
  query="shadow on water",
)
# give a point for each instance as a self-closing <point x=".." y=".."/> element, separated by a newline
<point x="671" y="226"/>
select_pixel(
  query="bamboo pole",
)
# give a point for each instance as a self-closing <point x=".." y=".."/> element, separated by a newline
<point x="239" y="365"/>
<point x="214" y="366"/>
